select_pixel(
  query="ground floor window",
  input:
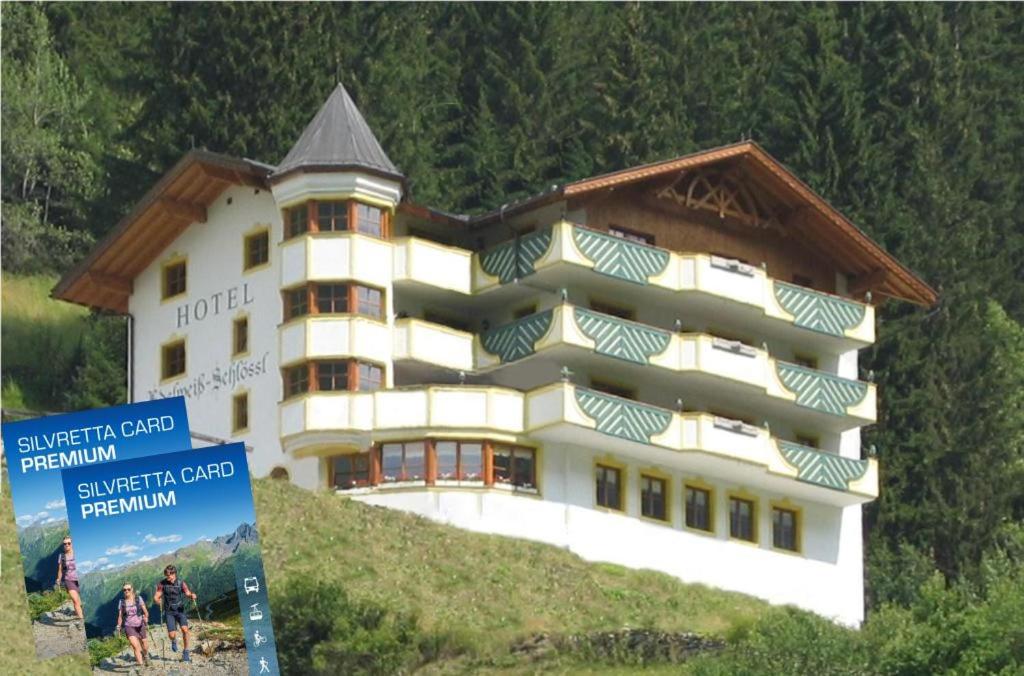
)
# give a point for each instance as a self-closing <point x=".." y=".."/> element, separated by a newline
<point x="742" y="515"/>
<point x="652" y="497"/>
<point x="350" y="471"/>
<point x="403" y="462"/>
<point x="459" y="460"/>
<point x="698" y="508"/>
<point x="609" y="487"/>
<point x="785" y="529"/>
<point x="515" y="465"/>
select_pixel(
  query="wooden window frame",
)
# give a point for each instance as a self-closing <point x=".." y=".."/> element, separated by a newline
<point x="260" y="234"/>
<point x="798" y="519"/>
<point x="240" y="334"/>
<point x="354" y="307"/>
<point x="692" y="485"/>
<point x="333" y="473"/>
<point x="666" y="491"/>
<point x="240" y="412"/>
<point x="312" y="220"/>
<point x="460" y="474"/>
<point x="514" y="451"/>
<point x="603" y="466"/>
<point x="165" y="359"/>
<point x="289" y="231"/>
<point x="165" y="270"/>
<point x="352" y="376"/>
<point x="428" y="462"/>
<point x="754" y="516"/>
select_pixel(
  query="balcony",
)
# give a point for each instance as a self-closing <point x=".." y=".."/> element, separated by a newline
<point x="557" y="256"/>
<point x="735" y="374"/>
<point x="336" y="256"/>
<point x="422" y="262"/>
<point x="564" y="413"/>
<point x="334" y="336"/>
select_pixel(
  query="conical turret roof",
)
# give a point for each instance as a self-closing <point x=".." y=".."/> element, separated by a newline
<point x="338" y="138"/>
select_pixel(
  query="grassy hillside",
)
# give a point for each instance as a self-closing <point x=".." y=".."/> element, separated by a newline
<point x="490" y="590"/>
<point x="36" y="330"/>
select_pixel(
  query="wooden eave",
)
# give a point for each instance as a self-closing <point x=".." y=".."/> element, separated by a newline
<point x="180" y="198"/>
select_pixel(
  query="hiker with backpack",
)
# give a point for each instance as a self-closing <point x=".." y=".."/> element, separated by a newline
<point x="132" y="612"/>
<point x="171" y="593"/>
<point x="67" y="575"/>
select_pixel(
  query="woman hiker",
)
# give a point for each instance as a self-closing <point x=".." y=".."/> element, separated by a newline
<point x="173" y="592"/>
<point x="67" y="575"/>
<point x="131" y="611"/>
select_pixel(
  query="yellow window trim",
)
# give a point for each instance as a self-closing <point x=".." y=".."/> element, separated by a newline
<point x="755" y="517"/>
<point x="611" y="463"/>
<point x="172" y="260"/>
<point x="789" y="506"/>
<point x="255" y="231"/>
<point x="234" y="328"/>
<point x="241" y="392"/>
<point x="712" y="512"/>
<point x="654" y="473"/>
<point x="173" y="340"/>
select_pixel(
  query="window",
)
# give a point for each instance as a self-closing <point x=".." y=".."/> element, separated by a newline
<point x="631" y="235"/>
<point x="369" y="302"/>
<point x="613" y="310"/>
<point x="350" y="471"/>
<point x="296" y="380"/>
<point x="370" y="377"/>
<point x="172" y="359"/>
<point x="257" y="249"/>
<point x="785" y="523"/>
<point x="296" y="303"/>
<point x="525" y="311"/>
<point x="742" y="519"/>
<point x="612" y="389"/>
<point x="332" y="376"/>
<point x="240" y="412"/>
<point x="805" y="361"/>
<point x="368" y="220"/>
<point x="698" y="508"/>
<point x="515" y="465"/>
<point x="331" y="216"/>
<point x="609" y="482"/>
<point x="296" y="221"/>
<point x="652" y="497"/>
<point x="174" y="280"/>
<point x="240" y="336"/>
<point x="459" y="460"/>
<point x="331" y="298"/>
<point x="403" y="462"/>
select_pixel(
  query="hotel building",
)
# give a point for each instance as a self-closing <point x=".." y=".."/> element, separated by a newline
<point x="655" y="367"/>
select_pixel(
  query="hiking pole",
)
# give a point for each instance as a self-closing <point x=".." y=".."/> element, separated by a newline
<point x="199" y="615"/>
<point x="163" y="641"/>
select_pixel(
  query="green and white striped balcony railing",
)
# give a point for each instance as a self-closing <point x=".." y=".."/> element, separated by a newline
<point x="818" y="311"/>
<point x="623" y="418"/>
<point x="819" y="390"/>
<point x="820" y="468"/>
<point x="518" y="339"/>
<point x="620" y="258"/>
<point x="620" y="338"/>
<point x="515" y="258"/>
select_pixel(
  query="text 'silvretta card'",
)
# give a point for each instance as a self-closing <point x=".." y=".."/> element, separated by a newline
<point x="36" y="451"/>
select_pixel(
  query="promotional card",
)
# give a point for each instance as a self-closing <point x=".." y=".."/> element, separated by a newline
<point x="36" y="451"/>
<point x="183" y="579"/>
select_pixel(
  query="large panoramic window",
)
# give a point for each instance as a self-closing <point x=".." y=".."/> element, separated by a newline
<point x="403" y="462"/>
<point x="785" y="529"/>
<point x="653" y="497"/>
<point x="174" y="280"/>
<point x="609" y="487"/>
<point x="172" y="359"/>
<point x="515" y="466"/>
<point x="742" y="519"/>
<point x="459" y="460"/>
<point x="698" y="508"/>
<point x="350" y="471"/>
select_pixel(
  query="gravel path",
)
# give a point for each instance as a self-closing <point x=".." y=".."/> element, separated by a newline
<point x="164" y="661"/>
<point x="59" y="632"/>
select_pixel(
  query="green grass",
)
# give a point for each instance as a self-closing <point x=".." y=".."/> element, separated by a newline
<point x="100" y="649"/>
<point x="487" y="590"/>
<point x="36" y="330"/>
<point x="43" y="602"/>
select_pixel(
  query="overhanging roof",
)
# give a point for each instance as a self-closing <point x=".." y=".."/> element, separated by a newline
<point x="104" y="278"/>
